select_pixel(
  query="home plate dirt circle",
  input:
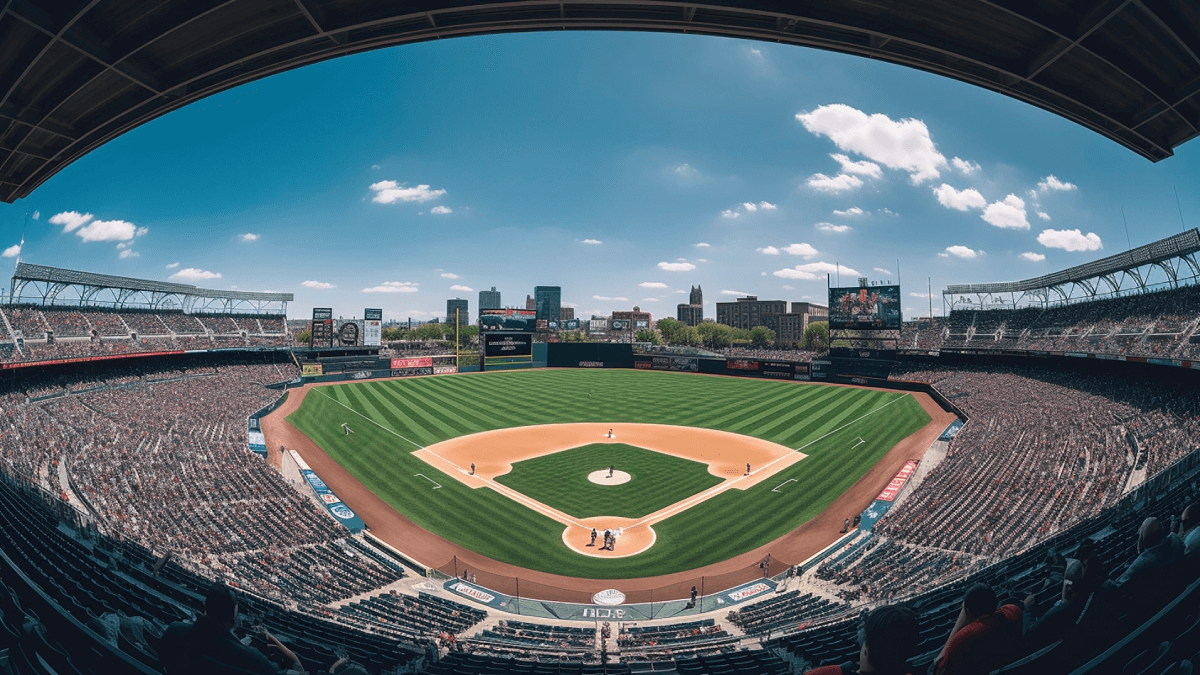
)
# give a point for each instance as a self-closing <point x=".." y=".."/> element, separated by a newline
<point x="601" y="477"/>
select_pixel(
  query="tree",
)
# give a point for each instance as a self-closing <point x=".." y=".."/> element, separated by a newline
<point x="647" y="335"/>
<point x="671" y="330"/>
<point x="689" y="336"/>
<point x="816" y="336"/>
<point x="303" y="337"/>
<point x="395" y="333"/>
<point x="761" y="336"/>
<point x="715" y="335"/>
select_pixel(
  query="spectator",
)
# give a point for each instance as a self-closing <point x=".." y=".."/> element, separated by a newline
<point x="983" y="638"/>
<point x="209" y="645"/>
<point x="1189" y="531"/>
<point x="1065" y="613"/>
<point x="1151" y="578"/>
<point x="888" y="637"/>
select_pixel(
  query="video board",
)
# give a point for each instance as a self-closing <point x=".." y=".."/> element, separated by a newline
<point x="322" y="327"/>
<point x="501" y="344"/>
<point x="865" y="308"/>
<point x="521" y="320"/>
<point x="373" y="327"/>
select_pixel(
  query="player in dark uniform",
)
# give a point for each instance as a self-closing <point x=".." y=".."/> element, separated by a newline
<point x="610" y="470"/>
<point x="747" y="468"/>
<point x="593" y="537"/>
<point x="472" y="468"/>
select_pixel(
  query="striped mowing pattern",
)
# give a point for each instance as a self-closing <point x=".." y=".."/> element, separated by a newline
<point x="824" y="420"/>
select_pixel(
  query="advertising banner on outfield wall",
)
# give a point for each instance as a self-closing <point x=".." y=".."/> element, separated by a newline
<point x="685" y="364"/>
<point x="411" y="372"/>
<point x="420" y="362"/>
<point x="328" y="499"/>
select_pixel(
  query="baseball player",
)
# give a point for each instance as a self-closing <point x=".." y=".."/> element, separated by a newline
<point x="593" y="543"/>
<point x="747" y="468"/>
<point x="610" y="470"/>
<point x="346" y="429"/>
<point x="472" y="468"/>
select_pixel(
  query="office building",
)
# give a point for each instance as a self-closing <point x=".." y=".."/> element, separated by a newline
<point x="748" y="312"/>
<point x="464" y="315"/>
<point x="566" y="313"/>
<point x="547" y="302"/>
<point x="489" y="299"/>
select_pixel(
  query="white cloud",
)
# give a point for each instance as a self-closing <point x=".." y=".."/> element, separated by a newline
<point x="750" y="207"/>
<point x="109" y="230"/>
<point x="1050" y="183"/>
<point x="462" y="289"/>
<point x="830" y="227"/>
<point x="701" y="259"/>
<point x="768" y="250"/>
<point x="604" y="297"/>
<point x="1033" y="257"/>
<point x="142" y="231"/>
<point x="965" y="166"/>
<point x="129" y="253"/>
<point x="868" y="169"/>
<point x="838" y="183"/>
<point x="37" y="214"/>
<point x="1043" y="215"/>
<point x="70" y="220"/>
<point x="919" y="295"/>
<point x="728" y="292"/>
<point x="903" y="145"/>
<point x="852" y="211"/>
<point x="788" y="288"/>
<point x="172" y="265"/>
<point x="592" y="242"/>
<point x="440" y="210"/>
<point x="653" y="284"/>
<point x="685" y="170"/>
<point x="248" y="237"/>
<point x="816" y="270"/>
<point x="963" y="200"/>
<point x="649" y="299"/>
<point x="883" y="271"/>
<point x="680" y="291"/>
<point x="12" y="251"/>
<point x="390" y="192"/>
<point x="316" y="284"/>
<point x="802" y="250"/>
<point x="449" y="275"/>
<point x="676" y="267"/>
<point x="393" y="287"/>
<point x="963" y="252"/>
<point x="374" y="166"/>
<point x="195" y="274"/>
<point x="730" y="213"/>
<point x="703" y="245"/>
<point x="1070" y="240"/>
<point x="889" y="212"/>
<point x="767" y="206"/>
<point x="1008" y="214"/>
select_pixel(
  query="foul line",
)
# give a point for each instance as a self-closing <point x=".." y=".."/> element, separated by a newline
<point x="790" y="480"/>
<point x="318" y="390"/>
<point x="439" y="485"/>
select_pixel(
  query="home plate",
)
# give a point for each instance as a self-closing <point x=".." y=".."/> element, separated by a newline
<point x="601" y="477"/>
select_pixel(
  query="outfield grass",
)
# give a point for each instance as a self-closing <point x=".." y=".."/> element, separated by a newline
<point x="825" y="421"/>
<point x="561" y="480"/>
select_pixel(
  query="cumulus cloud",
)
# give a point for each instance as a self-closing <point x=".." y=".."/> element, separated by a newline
<point x="1043" y="215"/>
<point x="965" y="166"/>
<point x="802" y="250"/>
<point x="653" y="284"/>
<point x="649" y="299"/>
<point x="462" y="289"/>
<point x="440" y="210"/>
<point x="788" y="288"/>
<point x="1008" y="214"/>
<point x="449" y="275"/>
<point x="767" y="206"/>
<point x="701" y="259"/>
<point x="1033" y="257"/>
<point x="904" y="145"/>
<point x="195" y="274"/>
<point x="393" y="287"/>
<point x="12" y="251"/>
<point x="830" y="227"/>
<point x="685" y="169"/>
<point x="919" y="295"/>
<point x="731" y="292"/>
<point x="852" y="211"/>
<point x="109" y="230"/>
<point x="172" y="265"/>
<point x="70" y="220"/>
<point x="592" y="242"/>
<point x="883" y="271"/>
<point x="605" y="297"/>
<point x="390" y="192"/>
<point x="768" y="250"/>
<point x="703" y="245"/>
<point x="750" y="207"/>
<point x="838" y="183"/>
<point x="962" y="200"/>
<point x="676" y="266"/>
<point x="868" y="169"/>
<point x="961" y="252"/>
<point x="1070" y="240"/>
<point x="249" y="236"/>
<point x="730" y="213"/>
<point x="129" y="253"/>
<point x="37" y="214"/>
<point x="1052" y="184"/>
<point x="316" y="284"/>
<point x="816" y="270"/>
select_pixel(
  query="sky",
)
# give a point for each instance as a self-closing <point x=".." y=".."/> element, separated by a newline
<point x="623" y="167"/>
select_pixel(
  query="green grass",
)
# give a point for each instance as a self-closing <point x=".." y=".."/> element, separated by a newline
<point x="560" y="480"/>
<point x="824" y="421"/>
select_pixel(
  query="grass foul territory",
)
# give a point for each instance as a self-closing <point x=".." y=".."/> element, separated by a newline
<point x="391" y="419"/>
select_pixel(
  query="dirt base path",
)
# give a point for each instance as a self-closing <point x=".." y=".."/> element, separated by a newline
<point x="430" y="549"/>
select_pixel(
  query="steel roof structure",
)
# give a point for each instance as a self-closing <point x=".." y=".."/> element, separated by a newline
<point x="74" y="74"/>
<point x="1120" y="273"/>
<point x="48" y="284"/>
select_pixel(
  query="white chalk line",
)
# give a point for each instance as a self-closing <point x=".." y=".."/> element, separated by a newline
<point x="439" y="485"/>
<point x="790" y="480"/>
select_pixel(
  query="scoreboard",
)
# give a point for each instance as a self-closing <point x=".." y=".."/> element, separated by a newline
<point x="322" y="327"/>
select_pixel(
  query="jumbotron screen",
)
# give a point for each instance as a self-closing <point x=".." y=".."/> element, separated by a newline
<point x="523" y="320"/>
<point x="869" y="308"/>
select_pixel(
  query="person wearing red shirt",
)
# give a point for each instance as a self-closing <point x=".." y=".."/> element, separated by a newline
<point x="888" y="637"/>
<point x="984" y="637"/>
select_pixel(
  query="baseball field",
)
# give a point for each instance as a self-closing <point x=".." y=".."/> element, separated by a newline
<point x="675" y="435"/>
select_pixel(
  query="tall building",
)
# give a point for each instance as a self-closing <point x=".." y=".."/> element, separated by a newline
<point x="529" y="303"/>
<point x="749" y="311"/>
<point x="489" y="299"/>
<point x="464" y="315"/>
<point x="693" y="312"/>
<point x="790" y="327"/>
<point x="626" y="324"/>
<point x="566" y="313"/>
<point x="547" y="302"/>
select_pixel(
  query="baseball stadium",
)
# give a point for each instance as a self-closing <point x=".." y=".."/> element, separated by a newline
<point x="195" y="480"/>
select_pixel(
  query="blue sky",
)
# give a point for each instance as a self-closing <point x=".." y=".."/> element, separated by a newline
<point x="624" y="167"/>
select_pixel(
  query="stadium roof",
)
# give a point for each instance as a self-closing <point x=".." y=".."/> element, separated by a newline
<point x="1181" y="245"/>
<point x="30" y="272"/>
<point x="75" y="74"/>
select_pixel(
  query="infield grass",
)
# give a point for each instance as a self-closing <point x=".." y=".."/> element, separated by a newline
<point x="560" y="480"/>
<point x="824" y="421"/>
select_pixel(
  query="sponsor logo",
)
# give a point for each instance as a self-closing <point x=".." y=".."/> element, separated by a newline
<point x="610" y="596"/>
<point x="361" y="375"/>
<point x="329" y="498"/>
<point x="422" y="362"/>
<point x="341" y="511"/>
<point x="893" y="488"/>
<point x="804" y="376"/>
<point x="603" y="613"/>
<point x="776" y="373"/>
<point x="741" y="364"/>
<point x="472" y="592"/>
<point x="748" y="592"/>
<point x="445" y="370"/>
<point x="591" y="364"/>
<point x="643" y="365"/>
<point x="858" y="380"/>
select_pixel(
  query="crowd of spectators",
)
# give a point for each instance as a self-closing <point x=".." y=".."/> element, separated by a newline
<point x="800" y="355"/>
<point x="888" y="568"/>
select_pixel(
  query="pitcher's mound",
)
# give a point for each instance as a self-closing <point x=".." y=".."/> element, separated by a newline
<point x="601" y="477"/>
